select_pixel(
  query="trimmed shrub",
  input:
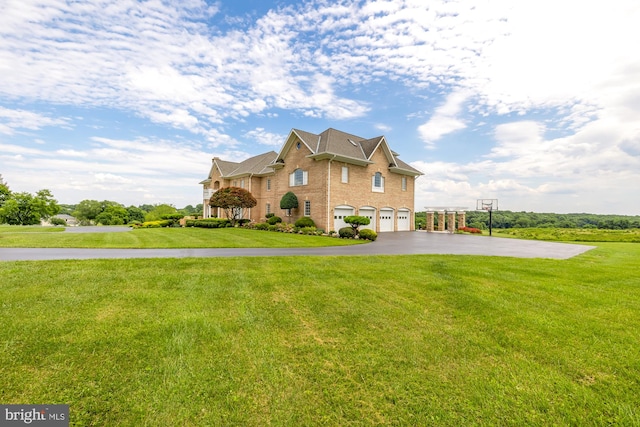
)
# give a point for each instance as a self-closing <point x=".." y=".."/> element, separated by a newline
<point x="273" y="220"/>
<point x="368" y="234"/>
<point x="311" y="231"/>
<point x="57" y="221"/>
<point x="175" y="216"/>
<point x="261" y="226"/>
<point x="208" y="223"/>
<point x="471" y="230"/>
<point x="156" y="224"/>
<point x="284" y="228"/>
<point x="347" y="233"/>
<point x="305" y="221"/>
<point x="356" y="221"/>
<point x="269" y="215"/>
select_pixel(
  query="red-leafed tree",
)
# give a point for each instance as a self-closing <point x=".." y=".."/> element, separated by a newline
<point x="232" y="200"/>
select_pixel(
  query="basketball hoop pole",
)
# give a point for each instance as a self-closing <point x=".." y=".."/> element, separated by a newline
<point x="488" y="205"/>
<point x="490" y="221"/>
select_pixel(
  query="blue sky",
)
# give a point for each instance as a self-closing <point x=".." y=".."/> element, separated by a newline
<point x="535" y="103"/>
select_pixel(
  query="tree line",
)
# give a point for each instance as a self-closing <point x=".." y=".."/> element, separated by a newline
<point x="107" y="212"/>
<point x="512" y="219"/>
<point x="23" y="208"/>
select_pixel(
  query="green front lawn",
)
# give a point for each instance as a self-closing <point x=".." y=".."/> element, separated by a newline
<point x="384" y="340"/>
<point x="631" y="235"/>
<point x="17" y="237"/>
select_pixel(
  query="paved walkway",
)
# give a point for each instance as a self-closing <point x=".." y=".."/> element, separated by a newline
<point x="400" y="243"/>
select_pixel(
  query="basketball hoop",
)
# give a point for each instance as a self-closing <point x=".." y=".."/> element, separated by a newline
<point x="487" y="205"/>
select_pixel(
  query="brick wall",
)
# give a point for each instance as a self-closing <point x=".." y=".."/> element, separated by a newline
<point x="356" y="193"/>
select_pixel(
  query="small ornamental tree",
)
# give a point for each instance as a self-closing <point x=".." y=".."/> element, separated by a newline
<point x="356" y="221"/>
<point x="289" y="201"/>
<point x="232" y="200"/>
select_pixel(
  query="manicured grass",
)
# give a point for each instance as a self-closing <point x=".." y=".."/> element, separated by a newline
<point x="407" y="340"/>
<point x="165" y="238"/>
<point x="572" y="234"/>
<point x="4" y="229"/>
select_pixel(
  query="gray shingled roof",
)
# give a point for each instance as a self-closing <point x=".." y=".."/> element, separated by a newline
<point x="343" y="144"/>
<point x="226" y="167"/>
<point x="255" y="165"/>
<point x="309" y="138"/>
<point x="330" y="142"/>
<point x="405" y="166"/>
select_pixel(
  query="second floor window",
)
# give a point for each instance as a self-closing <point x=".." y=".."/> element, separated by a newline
<point x="268" y="184"/>
<point x="404" y="183"/>
<point x="377" y="183"/>
<point x="345" y="174"/>
<point x="298" y="177"/>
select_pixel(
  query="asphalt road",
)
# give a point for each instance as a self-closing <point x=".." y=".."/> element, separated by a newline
<point x="399" y="243"/>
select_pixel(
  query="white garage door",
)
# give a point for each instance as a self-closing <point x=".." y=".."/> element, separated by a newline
<point x="371" y="214"/>
<point x="404" y="220"/>
<point x="386" y="220"/>
<point x="339" y="212"/>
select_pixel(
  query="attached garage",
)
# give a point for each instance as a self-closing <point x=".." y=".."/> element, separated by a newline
<point x="404" y="220"/>
<point x="386" y="219"/>
<point x="339" y="212"/>
<point x="370" y="213"/>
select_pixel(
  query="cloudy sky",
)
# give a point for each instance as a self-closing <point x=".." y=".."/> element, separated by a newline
<point x="533" y="102"/>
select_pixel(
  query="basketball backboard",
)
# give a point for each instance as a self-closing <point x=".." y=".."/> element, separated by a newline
<point x="487" y="205"/>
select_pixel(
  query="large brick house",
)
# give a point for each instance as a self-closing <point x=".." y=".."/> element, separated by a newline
<point x="333" y="174"/>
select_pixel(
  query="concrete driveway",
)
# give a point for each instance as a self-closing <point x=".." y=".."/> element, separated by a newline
<point x="400" y="243"/>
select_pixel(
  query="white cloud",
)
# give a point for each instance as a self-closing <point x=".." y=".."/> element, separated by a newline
<point x="445" y="119"/>
<point x="571" y="62"/>
<point x="383" y="127"/>
<point x="262" y="137"/>
<point x="14" y="120"/>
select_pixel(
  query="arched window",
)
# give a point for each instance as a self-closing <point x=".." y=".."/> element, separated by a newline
<point x="377" y="183"/>
<point x="298" y="177"/>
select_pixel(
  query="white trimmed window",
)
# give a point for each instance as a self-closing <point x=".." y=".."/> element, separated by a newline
<point x="345" y="174"/>
<point x="404" y="183"/>
<point x="298" y="177"/>
<point x="268" y="184"/>
<point x="307" y="208"/>
<point x="242" y="183"/>
<point x="377" y="183"/>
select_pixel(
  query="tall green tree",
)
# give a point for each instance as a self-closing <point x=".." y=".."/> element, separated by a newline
<point x="232" y="200"/>
<point x="5" y="193"/>
<point x="159" y="211"/>
<point x="135" y="214"/>
<point x="113" y="215"/>
<point x="87" y="210"/>
<point x="26" y="209"/>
